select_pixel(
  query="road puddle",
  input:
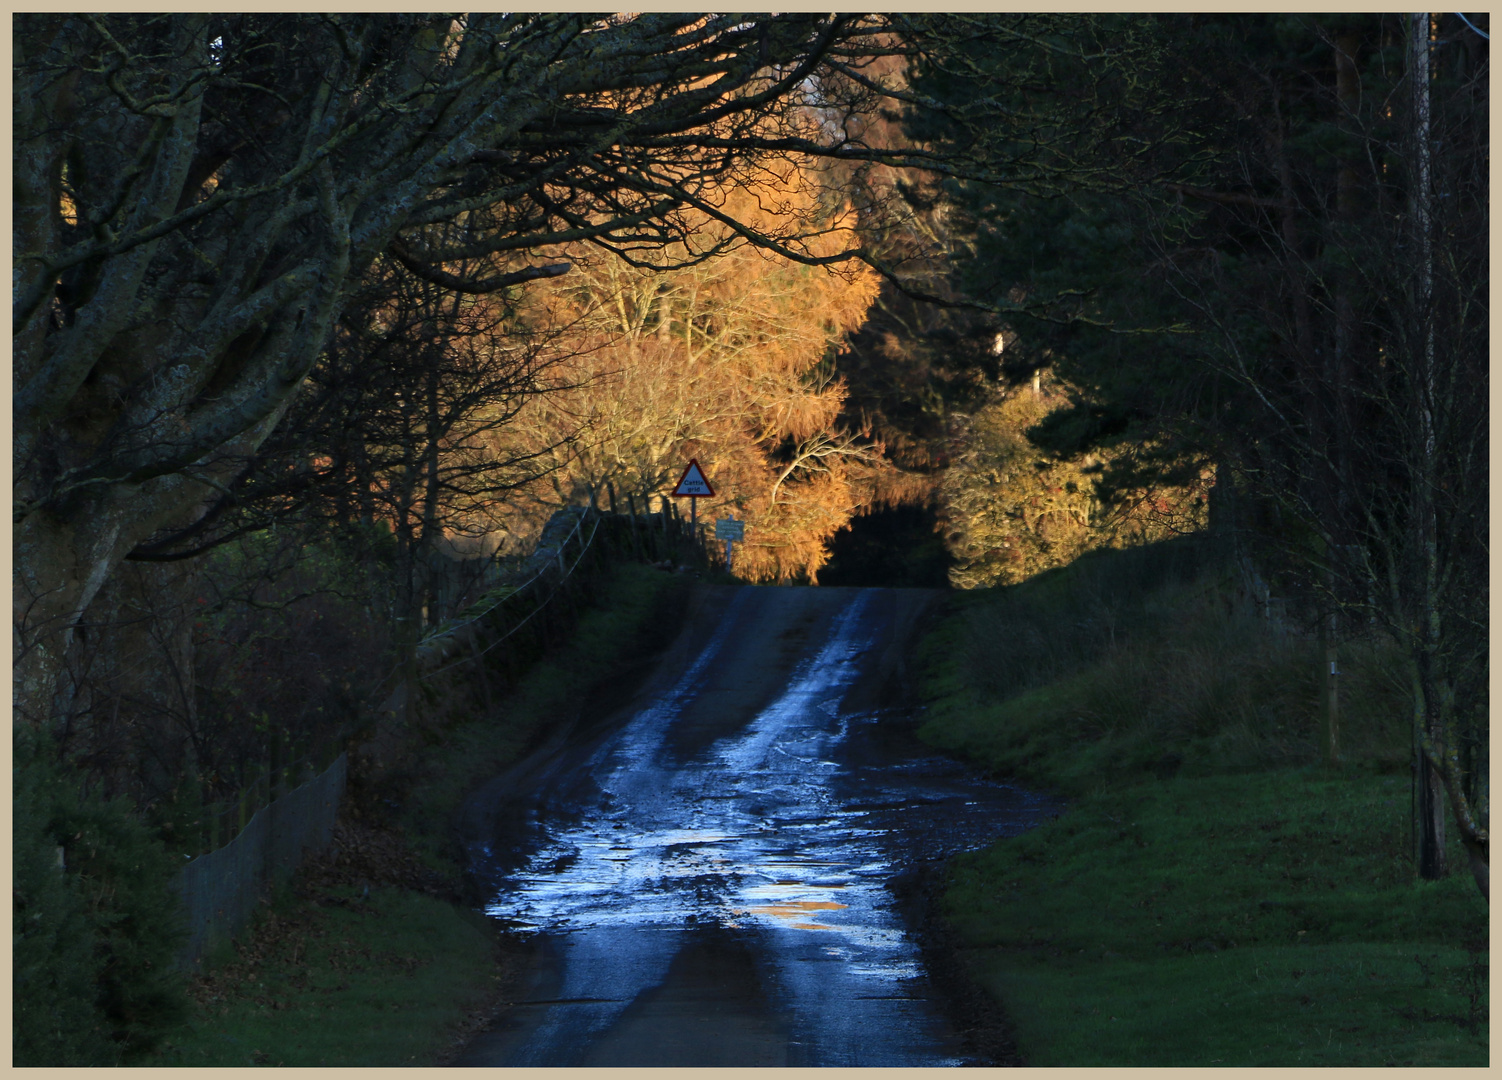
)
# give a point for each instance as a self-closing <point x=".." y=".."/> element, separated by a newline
<point x="794" y="910"/>
<point x="793" y="824"/>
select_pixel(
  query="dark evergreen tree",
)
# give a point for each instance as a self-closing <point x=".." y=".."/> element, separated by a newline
<point x="1288" y="282"/>
<point x="95" y="926"/>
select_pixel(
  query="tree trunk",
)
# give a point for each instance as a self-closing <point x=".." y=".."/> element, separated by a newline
<point x="1337" y="449"/>
<point x="1479" y="855"/>
<point x="64" y="556"/>
<point x="1332" y="691"/>
<point x="1429" y="834"/>
<point x="1431" y="803"/>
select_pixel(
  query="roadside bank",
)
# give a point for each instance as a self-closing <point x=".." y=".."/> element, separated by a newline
<point x="1214" y="894"/>
<point x="373" y="955"/>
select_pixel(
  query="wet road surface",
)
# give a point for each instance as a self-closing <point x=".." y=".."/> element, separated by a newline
<point x="707" y="878"/>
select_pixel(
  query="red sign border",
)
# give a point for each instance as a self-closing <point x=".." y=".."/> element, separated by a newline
<point x="693" y="463"/>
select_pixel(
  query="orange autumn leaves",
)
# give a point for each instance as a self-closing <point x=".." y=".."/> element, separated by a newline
<point x="724" y="359"/>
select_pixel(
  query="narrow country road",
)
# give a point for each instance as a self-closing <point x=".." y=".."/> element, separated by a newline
<point x="706" y="875"/>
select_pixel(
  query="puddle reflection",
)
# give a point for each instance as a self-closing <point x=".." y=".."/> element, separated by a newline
<point x="758" y="835"/>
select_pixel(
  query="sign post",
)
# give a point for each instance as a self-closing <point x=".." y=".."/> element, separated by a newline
<point x="692" y="484"/>
<point x="729" y="530"/>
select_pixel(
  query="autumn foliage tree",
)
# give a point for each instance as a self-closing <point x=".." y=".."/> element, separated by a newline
<point x="197" y="198"/>
<point x="724" y="360"/>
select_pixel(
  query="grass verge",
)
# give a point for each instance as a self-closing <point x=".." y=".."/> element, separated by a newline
<point x="367" y="959"/>
<point x="1212" y="895"/>
<point x="344" y="978"/>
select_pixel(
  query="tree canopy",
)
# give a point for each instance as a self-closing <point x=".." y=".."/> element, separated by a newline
<point x="197" y="197"/>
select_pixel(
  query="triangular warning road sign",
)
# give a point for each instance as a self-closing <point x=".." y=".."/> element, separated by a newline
<point x="693" y="482"/>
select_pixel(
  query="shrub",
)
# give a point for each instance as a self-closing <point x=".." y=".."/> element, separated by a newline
<point x="94" y="941"/>
<point x="53" y="1016"/>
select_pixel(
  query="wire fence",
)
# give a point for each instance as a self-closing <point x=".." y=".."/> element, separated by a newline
<point x="220" y="819"/>
<point x="270" y="833"/>
<point x="440" y="643"/>
<point x="220" y="890"/>
<point x="637" y="537"/>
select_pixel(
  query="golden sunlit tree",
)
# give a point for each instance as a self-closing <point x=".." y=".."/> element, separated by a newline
<point x="724" y="359"/>
<point x="1014" y="509"/>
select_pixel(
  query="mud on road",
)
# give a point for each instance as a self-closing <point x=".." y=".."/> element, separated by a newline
<point x="738" y="865"/>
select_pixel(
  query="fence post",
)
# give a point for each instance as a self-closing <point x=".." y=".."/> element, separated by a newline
<point x="635" y="530"/>
<point x="510" y="657"/>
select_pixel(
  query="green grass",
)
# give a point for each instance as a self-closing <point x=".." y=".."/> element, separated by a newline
<point x="1334" y="1005"/>
<point x="328" y="978"/>
<point x="1212" y="895"/>
<point x="1269" y="919"/>
<point x="376" y="982"/>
